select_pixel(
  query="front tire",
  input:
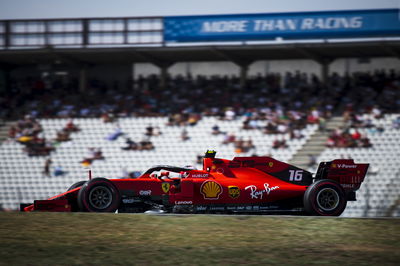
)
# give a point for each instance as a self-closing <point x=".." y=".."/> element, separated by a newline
<point x="77" y="184"/>
<point x="99" y="195"/>
<point x="325" y="198"/>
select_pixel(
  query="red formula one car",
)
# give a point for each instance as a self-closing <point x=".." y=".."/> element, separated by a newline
<point x="241" y="185"/>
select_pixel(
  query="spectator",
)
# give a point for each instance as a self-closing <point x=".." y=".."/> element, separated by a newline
<point x="94" y="154"/>
<point x="146" y="144"/>
<point x="97" y="154"/>
<point x="246" y="123"/>
<point x="312" y="160"/>
<point x="71" y="127"/>
<point x="296" y="134"/>
<point x="130" y="145"/>
<point x="38" y="147"/>
<point x="239" y="145"/>
<point x="396" y="123"/>
<point x="86" y="162"/>
<point x="322" y="124"/>
<point x="229" y="114"/>
<point x="193" y="119"/>
<point x="62" y="136"/>
<point x="270" y="128"/>
<point x="376" y="112"/>
<point x="248" y="145"/>
<point x="184" y="135"/>
<point x="157" y="131"/>
<point x="215" y="130"/>
<point x="279" y="144"/>
<point x="47" y="164"/>
<point x="58" y="171"/>
<point x="108" y="117"/>
<point x="199" y="159"/>
<point x="149" y="131"/>
<point x="229" y="138"/>
<point x="12" y="132"/>
<point x="116" y="134"/>
<point x="330" y="142"/>
<point x="365" y="142"/>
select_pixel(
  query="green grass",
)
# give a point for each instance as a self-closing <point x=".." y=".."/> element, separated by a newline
<point x="121" y="239"/>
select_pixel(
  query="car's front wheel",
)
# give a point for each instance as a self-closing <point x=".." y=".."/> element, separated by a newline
<point x="76" y="185"/>
<point x="325" y="197"/>
<point x="98" y="195"/>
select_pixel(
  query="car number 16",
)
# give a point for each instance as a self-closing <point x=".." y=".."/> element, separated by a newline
<point x="296" y="175"/>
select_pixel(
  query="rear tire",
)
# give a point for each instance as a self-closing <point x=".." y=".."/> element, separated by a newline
<point x="99" y="195"/>
<point x="325" y="198"/>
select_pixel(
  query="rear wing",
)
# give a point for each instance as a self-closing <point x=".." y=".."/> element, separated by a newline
<point x="347" y="173"/>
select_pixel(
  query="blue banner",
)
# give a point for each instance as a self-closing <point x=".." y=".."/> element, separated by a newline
<point x="329" y="24"/>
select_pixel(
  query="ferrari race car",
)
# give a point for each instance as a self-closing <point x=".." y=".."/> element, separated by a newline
<point x="241" y="185"/>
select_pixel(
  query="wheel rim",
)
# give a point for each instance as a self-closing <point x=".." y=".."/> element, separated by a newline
<point x="328" y="199"/>
<point x="100" y="197"/>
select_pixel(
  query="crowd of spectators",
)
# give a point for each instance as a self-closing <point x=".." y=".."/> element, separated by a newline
<point x="144" y="145"/>
<point x="349" y="138"/>
<point x="95" y="153"/>
<point x="28" y="132"/>
<point x="272" y="103"/>
<point x="291" y="100"/>
<point x="240" y="145"/>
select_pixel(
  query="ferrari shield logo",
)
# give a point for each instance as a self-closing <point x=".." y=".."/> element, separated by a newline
<point x="234" y="192"/>
<point x="270" y="164"/>
<point x="165" y="187"/>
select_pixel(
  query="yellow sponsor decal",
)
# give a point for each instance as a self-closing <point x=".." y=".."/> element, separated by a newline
<point x="333" y="165"/>
<point x="234" y="192"/>
<point x="270" y="164"/>
<point x="165" y="187"/>
<point x="211" y="190"/>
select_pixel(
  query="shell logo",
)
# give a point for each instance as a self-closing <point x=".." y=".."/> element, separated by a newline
<point x="211" y="190"/>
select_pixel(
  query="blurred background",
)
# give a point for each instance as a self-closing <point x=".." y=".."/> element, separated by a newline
<point x="120" y="86"/>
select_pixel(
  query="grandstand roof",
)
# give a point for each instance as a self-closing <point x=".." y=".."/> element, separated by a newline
<point x="238" y="53"/>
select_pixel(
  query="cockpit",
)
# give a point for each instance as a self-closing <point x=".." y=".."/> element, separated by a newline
<point x="168" y="172"/>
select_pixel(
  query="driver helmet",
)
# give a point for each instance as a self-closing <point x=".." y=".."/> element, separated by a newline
<point x="165" y="173"/>
<point x="184" y="174"/>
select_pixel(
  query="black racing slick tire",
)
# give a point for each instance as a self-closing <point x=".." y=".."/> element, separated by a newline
<point x="325" y="198"/>
<point x="99" y="195"/>
<point x="77" y="184"/>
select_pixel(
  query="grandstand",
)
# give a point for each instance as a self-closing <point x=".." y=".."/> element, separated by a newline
<point x="379" y="194"/>
<point x="21" y="181"/>
<point x="85" y="69"/>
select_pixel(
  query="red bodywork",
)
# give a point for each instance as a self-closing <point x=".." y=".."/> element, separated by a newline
<point x="244" y="184"/>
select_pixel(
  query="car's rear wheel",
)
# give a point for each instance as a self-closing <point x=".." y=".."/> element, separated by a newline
<point x="77" y="184"/>
<point x="98" y="195"/>
<point x="325" y="197"/>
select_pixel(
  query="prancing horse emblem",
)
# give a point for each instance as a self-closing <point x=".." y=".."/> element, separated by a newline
<point x="165" y="187"/>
